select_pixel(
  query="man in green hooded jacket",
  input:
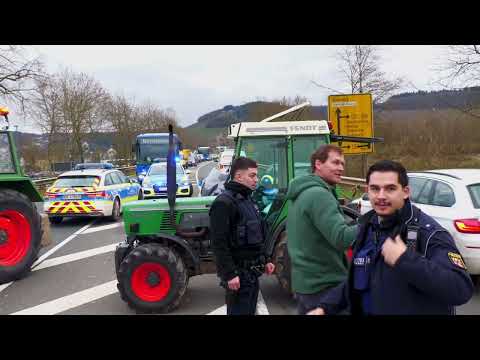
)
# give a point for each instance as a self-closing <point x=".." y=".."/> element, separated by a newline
<point x="318" y="235"/>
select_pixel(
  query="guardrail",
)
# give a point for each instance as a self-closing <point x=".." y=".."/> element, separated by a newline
<point x="43" y="184"/>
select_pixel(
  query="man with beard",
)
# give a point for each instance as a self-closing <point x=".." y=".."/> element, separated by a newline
<point x="404" y="262"/>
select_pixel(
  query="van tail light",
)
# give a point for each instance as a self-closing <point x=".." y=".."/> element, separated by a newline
<point x="97" y="194"/>
<point x="330" y="125"/>
<point x="468" y="226"/>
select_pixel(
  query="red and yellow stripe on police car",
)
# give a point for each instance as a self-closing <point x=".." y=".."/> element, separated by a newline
<point x="69" y="207"/>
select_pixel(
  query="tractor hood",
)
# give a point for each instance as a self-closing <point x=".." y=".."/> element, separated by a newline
<point x="151" y="217"/>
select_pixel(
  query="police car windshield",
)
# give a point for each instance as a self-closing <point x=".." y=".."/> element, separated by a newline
<point x="161" y="169"/>
<point x="74" y="181"/>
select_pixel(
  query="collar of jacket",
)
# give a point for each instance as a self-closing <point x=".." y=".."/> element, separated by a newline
<point x="404" y="216"/>
<point x="238" y="188"/>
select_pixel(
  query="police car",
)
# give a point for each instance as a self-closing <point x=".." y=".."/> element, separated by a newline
<point x="155" y="182"/>
<point x="90" y="192"/>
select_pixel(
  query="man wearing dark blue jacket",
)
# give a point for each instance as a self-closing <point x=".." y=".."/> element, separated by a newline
<point x="404" y="262"/>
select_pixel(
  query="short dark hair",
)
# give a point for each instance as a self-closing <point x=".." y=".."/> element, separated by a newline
<point x="242" y="163"/>
<point x="322" y="154"/>
<point x="389" y="165"/>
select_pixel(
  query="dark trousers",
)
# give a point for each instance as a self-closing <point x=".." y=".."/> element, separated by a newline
<point x="244" y="300"/>
<point x="308" y="302"/>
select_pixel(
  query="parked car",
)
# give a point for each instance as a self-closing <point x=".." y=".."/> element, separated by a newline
<point x="452" y="197"/>
<point x="154" y="184"/>
<point x="90" y="192"/>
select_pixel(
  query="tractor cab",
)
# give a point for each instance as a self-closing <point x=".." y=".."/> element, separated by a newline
<point x="7" y="161"/>
<point x="282" y="151"/>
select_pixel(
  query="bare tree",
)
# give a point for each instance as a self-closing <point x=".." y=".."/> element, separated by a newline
<point x="46" y="109"/>
<point x="462" y="65"/>
<point x="120" y="113"/>
<point x="360" y="66"/>
<point x="82" y="101"/>
<point x="17" y="70"/>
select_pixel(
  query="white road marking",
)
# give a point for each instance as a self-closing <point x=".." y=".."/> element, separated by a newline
<point x="4" y="286"/>
<point x="71" y="301"/>
<point x="76" y="256"/>
<point x="103" y="227"/>
<point x="62" y="244"/>
<point x="220" y="311"/>
<point x="261" y="308"/>
<point x="51" y="251"/>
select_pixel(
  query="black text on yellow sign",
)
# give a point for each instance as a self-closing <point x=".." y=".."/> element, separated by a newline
<point x="352" y="115"/>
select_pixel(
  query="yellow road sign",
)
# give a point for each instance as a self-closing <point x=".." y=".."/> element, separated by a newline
<point x="352" y="115"/>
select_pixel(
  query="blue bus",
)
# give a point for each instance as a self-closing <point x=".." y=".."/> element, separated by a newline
<point x="151" y="148"/>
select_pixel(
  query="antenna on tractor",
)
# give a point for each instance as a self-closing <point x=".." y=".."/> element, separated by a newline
<point x="288" y="111"/>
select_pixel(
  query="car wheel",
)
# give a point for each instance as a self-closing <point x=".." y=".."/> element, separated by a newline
<point x="116" y="210"/>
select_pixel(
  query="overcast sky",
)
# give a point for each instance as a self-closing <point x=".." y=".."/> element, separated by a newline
<point x="194" y="80"/>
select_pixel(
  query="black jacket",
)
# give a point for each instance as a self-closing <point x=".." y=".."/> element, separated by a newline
<point x="224" y="217"/>
<point x="425" y="280"/>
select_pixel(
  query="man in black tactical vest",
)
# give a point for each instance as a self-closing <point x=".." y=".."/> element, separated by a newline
<point x="238" y="237"/>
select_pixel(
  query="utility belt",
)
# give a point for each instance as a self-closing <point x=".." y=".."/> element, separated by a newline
<point x="257" y="266"/>
<point x="249" y="269"/>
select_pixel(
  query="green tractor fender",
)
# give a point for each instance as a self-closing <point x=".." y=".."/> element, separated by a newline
<point x="184" y="249"/>
<point x="24" y="186"/>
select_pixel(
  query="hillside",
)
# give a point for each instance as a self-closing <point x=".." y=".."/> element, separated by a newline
<point x="421" y="100"/>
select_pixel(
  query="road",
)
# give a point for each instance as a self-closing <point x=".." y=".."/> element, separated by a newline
<point x="75" y="275"/>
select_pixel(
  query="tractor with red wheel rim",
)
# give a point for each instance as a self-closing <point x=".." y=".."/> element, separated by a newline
<point x="169" y="242"/>
<point x="22" y="230"/>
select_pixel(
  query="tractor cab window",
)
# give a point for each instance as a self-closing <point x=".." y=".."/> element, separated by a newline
<point x="271" y="157"/>
<point x="6" y="162"/>
<point x="303" y="148"/>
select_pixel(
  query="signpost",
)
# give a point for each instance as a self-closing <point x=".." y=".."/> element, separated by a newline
<point x="352" y="115"/>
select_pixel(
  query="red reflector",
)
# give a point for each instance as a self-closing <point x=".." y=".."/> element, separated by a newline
<point x="97" y="194"/>
<point x="467" y="226"/>
<point x="51" y="195"/>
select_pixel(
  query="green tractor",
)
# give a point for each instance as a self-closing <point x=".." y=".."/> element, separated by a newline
<point x="22" y="229"/>
<point x="166" y="245"/>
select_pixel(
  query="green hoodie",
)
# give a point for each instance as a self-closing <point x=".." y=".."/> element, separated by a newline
<point x="317" y="235"/>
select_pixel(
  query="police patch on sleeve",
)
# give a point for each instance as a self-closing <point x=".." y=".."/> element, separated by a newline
<point x="457" y="260"/>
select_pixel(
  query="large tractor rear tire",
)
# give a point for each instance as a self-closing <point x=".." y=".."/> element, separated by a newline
<point x="20" y="235"/>
<point x="283" y="265"/>
<point x="152" y="279"/>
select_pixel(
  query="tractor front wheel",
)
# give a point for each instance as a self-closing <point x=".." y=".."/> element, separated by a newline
<point x="152" y="279"/>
